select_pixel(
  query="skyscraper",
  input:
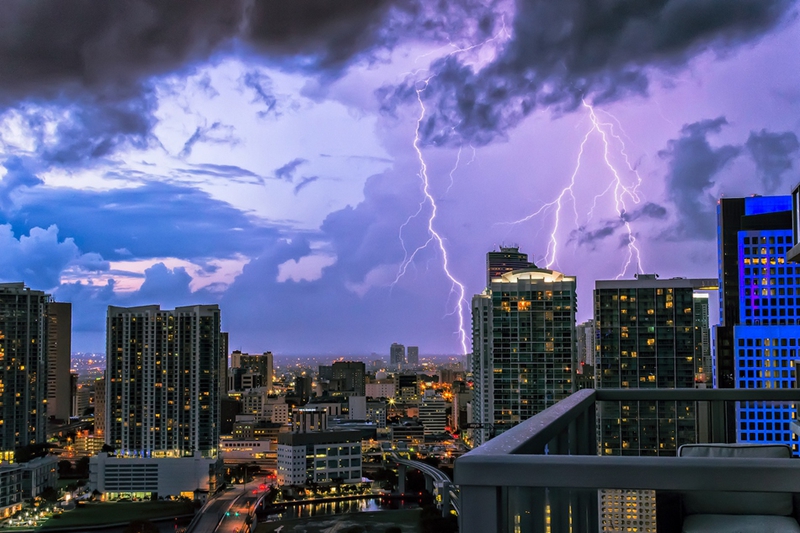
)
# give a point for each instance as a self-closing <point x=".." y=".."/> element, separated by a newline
<point x="23" y="369"/>
<point x="523" y="343"/>
<point x="59" y="348"/>
<point x="413" y="355"/>
<point x="759" y="334"/>
<point x="649" y="336"/>
<point x="162" y="372"/>
<point x="507" y="259"/>
<point x="397" y="354"/>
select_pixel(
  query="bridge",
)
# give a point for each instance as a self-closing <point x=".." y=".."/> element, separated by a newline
<point x="436" y="482"/>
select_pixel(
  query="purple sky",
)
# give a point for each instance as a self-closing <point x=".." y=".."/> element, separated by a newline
<point x="262" y="155"/>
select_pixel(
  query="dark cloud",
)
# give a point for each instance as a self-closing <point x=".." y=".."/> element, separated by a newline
<point x="99" y="61"/>
<point x="261" y="85"/>
<point x="231" y="172"/>
<point x="773" y="154"/>
<point x="585" y="236"/>
<point x="563" y="52"/>
<point x="217" y="133"/>
<point x="693" y="164"/>
<point x="17" y="175"/>
<point x="304" y="182"/>
<point x="286" y="172"/>
<point x="151" y="220"/>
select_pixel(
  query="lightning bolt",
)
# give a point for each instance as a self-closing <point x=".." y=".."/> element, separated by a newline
<point x="622" y="193"/>
<point x="457" y="288"/>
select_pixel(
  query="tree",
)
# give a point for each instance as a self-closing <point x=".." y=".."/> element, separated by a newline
<point x="49" y="494"/>
<point x="107" y="448"/>
<point x="64" y="468"/>
<point x="82" y="467"/>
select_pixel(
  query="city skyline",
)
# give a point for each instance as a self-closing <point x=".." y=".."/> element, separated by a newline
<point x="273" y="169"/>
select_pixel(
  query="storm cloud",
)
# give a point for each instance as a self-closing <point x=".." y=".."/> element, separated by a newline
<point x="561" y="53"/>
<point x="773" y="155"/>
<point x="693" y="165"/>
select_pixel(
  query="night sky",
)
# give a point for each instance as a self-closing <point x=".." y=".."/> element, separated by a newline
<point x="268" y="155"/>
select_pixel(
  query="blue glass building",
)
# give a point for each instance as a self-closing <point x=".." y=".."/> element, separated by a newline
<point x="760" y="312"/>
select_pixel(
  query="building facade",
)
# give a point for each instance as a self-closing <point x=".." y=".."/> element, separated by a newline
<point x="23" y="367"/>
<point x="523" y="343"/>
<point x="433" y="415"/>
<point x="648" y="337"/>
<point x="261" y="364"/>
<point x="319" y="457"/>
<point x="59" y="350"/>
<point x="162" y="401"/>
<point x="10" y="489"/>
<point x="650" y="333"/>
<point x="397" y="355"/>
<point x="349" y="377"/>
<point x="760" y="332"/>
<point x="508" y="258"/>
<point x="412" y="355"/>
<point x="161" y="380"/>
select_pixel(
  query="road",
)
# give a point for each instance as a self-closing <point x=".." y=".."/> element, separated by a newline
<point x="220" y="516"/>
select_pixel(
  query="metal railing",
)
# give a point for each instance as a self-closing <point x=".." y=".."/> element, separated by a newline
<point x="544" y="474"/>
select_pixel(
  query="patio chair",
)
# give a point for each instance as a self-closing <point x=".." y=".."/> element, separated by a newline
<point x="738" y="512"/>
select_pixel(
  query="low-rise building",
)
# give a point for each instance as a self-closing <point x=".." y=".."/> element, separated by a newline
<point x="10" y="489"/>
<point x="408" y="430"/>
<point x="433" y="415"/>
<point x="142" y="477"/>
<point x="262" y="452"/>
<point x="39" y="474"/>
<point x="319" y="457"/>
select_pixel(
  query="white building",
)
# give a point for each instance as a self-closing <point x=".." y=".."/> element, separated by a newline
<point x="140" y="477"/>
<point x="10" y="489"/>
<point x="39" y="474"/>
<point x="384" y="388"/>
<point x="433" y="415"/>
<point x="262" y="452"/>
<point x="319" y="456"/>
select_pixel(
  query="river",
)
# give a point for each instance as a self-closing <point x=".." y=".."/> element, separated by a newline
<point x="341" y="507"/>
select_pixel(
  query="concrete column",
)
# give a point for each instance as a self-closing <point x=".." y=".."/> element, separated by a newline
<point x="429" y="484"/>
<point x="445" y="498"/>
<point x="401" y="479"/>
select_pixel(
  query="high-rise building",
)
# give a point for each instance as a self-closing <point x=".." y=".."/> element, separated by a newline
<point x="100" y="407"/>
<point x="162" y="372"/>
<point x="648" y="337"/>
<point x="750" y="218"/>
<point x="413" y="355"/>
<point x="757" y="340"/>
<point x="397" y="354"/>
<point x="350" y="376"/>
<point x="508" y="258"/>
<point x="223" y="365"/>
<point x="23" y="367"/>
<point x="650" y="334"/>
<point x="523" y="347"/>
<point x="258" y="363"/>
<point x="59" y="349"/>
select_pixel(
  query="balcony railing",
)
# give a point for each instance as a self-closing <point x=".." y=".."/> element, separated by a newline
<point x="544" y="475"/>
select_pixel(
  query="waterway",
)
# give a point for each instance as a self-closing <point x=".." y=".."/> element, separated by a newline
<point x="341" y="507"/>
